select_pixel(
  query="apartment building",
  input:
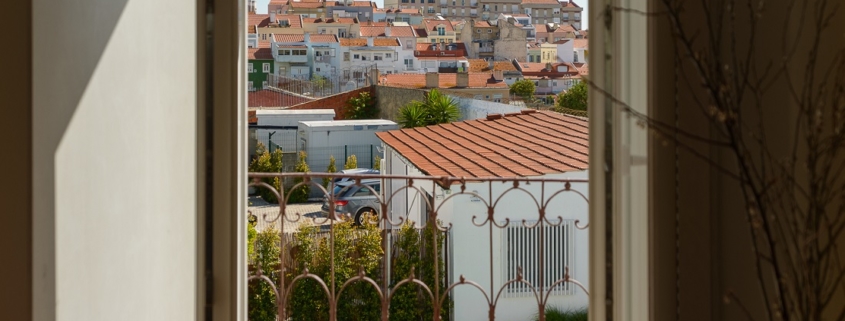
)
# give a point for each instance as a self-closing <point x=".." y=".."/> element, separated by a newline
<point x="405" y="33"/>
<point x="363" y="10"/>
<point x="436" y="30"/>
<point x="302" y="56"/>
<point x="481" y="85"/>
<point x="542" y="52"/>
<point x="440" y="57"/>
<point x="543" y="11"/>
<point x="410" y="16"/>
<point x="382" y="53"/>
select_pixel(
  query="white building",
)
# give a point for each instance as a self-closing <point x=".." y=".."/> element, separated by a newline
<point x="531" y="144"/>
<point x="383" y="53"/>
<point x="303" y="56"/>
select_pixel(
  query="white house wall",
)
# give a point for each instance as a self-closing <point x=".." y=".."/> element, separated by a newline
<point x="470" y="244"/>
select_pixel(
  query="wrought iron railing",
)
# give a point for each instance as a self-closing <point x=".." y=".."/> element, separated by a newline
<point x="521" y="215"/>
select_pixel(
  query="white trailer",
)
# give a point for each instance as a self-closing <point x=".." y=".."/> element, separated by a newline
<point x="342" y="138"/>
<point x="280" y="126"/>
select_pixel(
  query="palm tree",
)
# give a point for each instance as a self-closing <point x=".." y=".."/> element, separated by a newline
<point x="437" y="108"/>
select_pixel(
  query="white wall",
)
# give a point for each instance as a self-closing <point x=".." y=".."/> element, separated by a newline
<point x="114" y="148"/>
<point x="470" y="244"/>
<point x="565" y="51"/>
<point x="475" y="108"/>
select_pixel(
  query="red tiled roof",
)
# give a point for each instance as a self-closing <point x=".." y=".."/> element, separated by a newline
<point x="259" y="20"/>
<point x="540" y="2"/>
<point x="271" y="98"/>
<point x="526" y="144"/>
<point x="504" y="66"/>
<point x="293" y="21"/>
<point x="421" y="32"/>
<point x="364" y="4"/>
<point x="580" y="43"/>
<point x="378" y="31"/>
<point x="431" y="25"/>
<point x="572" y="4"/>
<point x="330" y="20"/>
<point x="477" y="65"/>
<point x="482" y="24"/>
<point x="539" y="69"/>
<point x="301" y="38"/>
<point x="378" y="42"/>
<point x="259" y="54"/>
<point x="309" y="4"/>
<point x="446" y="80"/>
<point x="583" y="69"/>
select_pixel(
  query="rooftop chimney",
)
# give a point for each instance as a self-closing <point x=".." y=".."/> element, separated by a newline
<point x="432" y="80"/>
<point x="462" y="79"/>
<point x="369" y="41"/>
<point x="387" y="31"/>
<point x="307" y="37"/>
<point x="273" y="17"/>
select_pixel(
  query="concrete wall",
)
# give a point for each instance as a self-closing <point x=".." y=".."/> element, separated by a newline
<point x="115" y="210"/>
<point x="475" y="108"/>
<point x="398" y="98"/>
<point x="336" y="102"/>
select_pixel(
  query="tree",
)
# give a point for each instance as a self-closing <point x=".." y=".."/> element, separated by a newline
<point x="321" y="83"/>
<point x="266" y="162"/>
<point x="300" y="194"/>
<point x="361" y="106"/>
<point x="523" y="88"/>
<point x="574" y="98"/>
<point x="437" y="108"/>
<point x="330" y="169"/>
<point x="351" y="162"/>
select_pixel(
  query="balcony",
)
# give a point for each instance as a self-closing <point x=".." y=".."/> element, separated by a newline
<point x="323" y="59"/>
<point x="485" y="49"/>
<point x="536" y="221"/>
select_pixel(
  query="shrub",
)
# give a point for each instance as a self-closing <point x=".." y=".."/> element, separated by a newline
<point x="331" y="169"/>
<point x="300" y="194"/>
<point x="265" y="255"/>
<point x="353" y="248"/>
<point x="377" y="163"/>
<point x="266" y="162"/>
<point x="361" y="107"/>
<point x="558" y="314"/>
<point x="523" y="88"/>
<point x="351" y="162"/>
<point x="413" y="250"/>
<point x="436" y="108"/>
<point x="574" y="98"/>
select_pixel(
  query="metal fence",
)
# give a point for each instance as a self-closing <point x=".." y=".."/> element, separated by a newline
<point x="536" y="264"/>
<point x="323" y="83"/>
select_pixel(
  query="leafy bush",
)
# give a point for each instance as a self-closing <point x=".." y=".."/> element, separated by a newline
<point x="523" y="88"/>
<point x="413" y="250"/>
<point x="377" y="163"/>
<point x="361" y="107"/>
<point x="265" y="255"/>
<point x="558" y="314"/>
<point x="266" y="162"/>
<point x="330" y="169"/>
<point x="574" y="98"/>
<point x="300" y="194"/>
<point x="351" y="162"/>
<point x="353" y="248"/>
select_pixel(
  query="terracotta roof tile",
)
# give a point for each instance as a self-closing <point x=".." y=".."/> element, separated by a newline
<point x="309" y="4"/>
<point x="478" y="65"/>
<point x="540" y="2"/>
<point x="301" y="38"/>
<point x="482" y="24"/>
<point x="431" y="24"/>
<point x="527" y="144"/>
<point x="421" y="32"/>
<point x="446" y="80"/>
<point x="580" y="43"/>
<point x="396" y="31"/>
<point x="330" y="20"/>
<point x="504" y="66"/>
<point x="259" y="54"/>
<point x="571" y="4"/>
<point x="360" y="42"/>
<point x="583" y="69"/>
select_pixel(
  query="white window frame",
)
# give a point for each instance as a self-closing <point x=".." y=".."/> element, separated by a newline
<point x="249" y="68"/>
<point x="265" y="67"/>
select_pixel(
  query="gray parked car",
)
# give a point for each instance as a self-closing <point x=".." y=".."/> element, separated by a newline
<point x="355" y="200"/>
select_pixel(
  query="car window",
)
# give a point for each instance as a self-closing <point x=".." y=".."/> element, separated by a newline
<point x="363" y="191"/>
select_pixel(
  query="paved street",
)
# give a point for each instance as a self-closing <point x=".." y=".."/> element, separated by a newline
<point x="265" y="211"/>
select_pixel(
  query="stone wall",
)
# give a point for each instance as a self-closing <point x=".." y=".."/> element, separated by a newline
<point x="390" y="99"/>
<point x="336" y="102"/>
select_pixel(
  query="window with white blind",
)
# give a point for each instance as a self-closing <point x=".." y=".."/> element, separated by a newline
<point x="521" y="249"/>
